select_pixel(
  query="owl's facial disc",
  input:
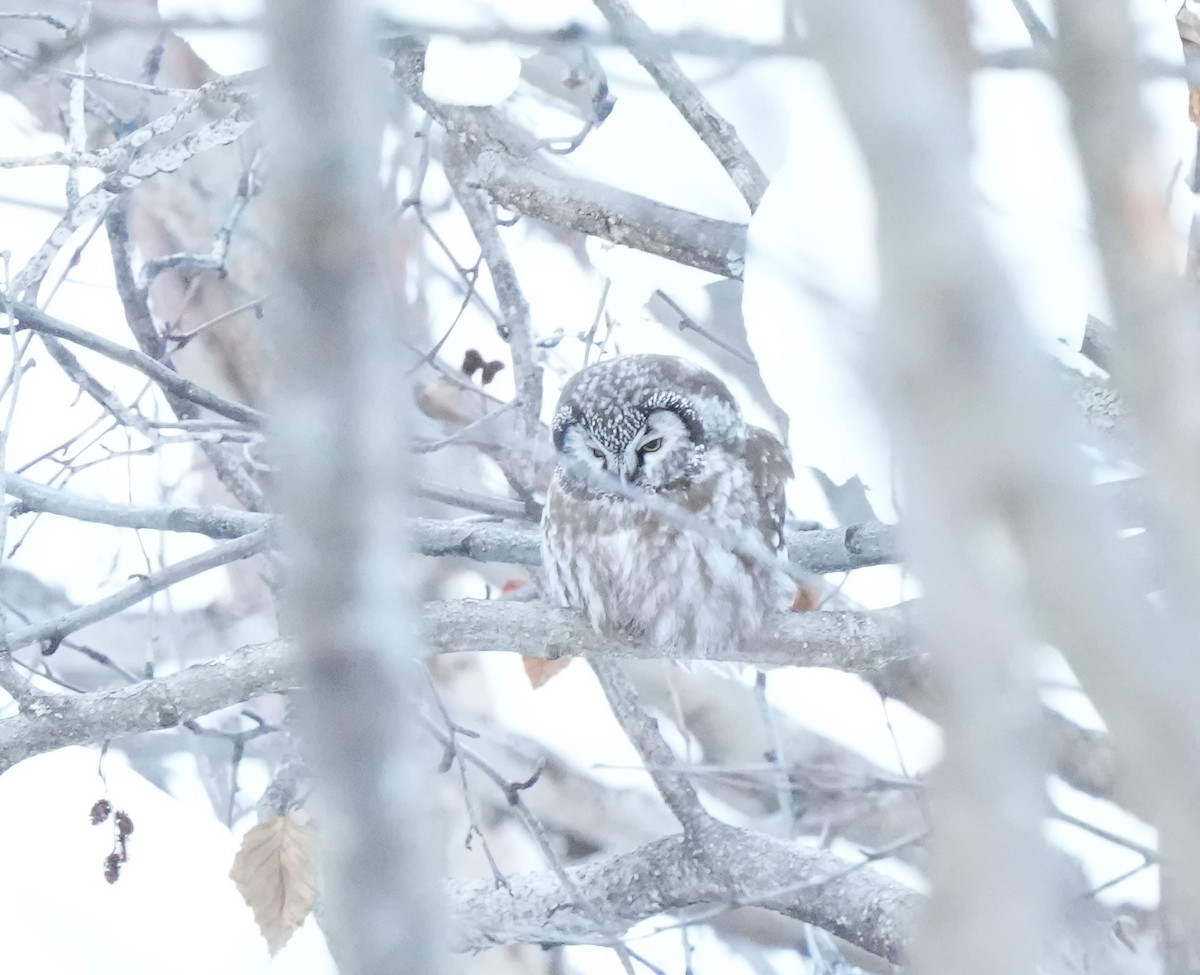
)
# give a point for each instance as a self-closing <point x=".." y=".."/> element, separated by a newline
<point x="580" y="447"/>
<point x="661" y="452"/>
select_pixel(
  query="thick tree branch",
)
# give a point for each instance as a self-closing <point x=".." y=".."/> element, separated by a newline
<point x="515" y="176"/>
<point x="819" y="551"/>
<point x="875" y="645"/>
<point x="860" y="905"/>
<point x="48" y="721"/>
<point x="613" y="214"/>
<point x="860" y="642"/>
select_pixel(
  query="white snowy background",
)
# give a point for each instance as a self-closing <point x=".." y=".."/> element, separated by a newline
<point x="809" y="303"/>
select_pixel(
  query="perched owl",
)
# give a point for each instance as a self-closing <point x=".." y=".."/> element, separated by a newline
<point x="664" y="426"/>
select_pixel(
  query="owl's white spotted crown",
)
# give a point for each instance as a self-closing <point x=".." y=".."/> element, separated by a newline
<point x="630" y="387"/>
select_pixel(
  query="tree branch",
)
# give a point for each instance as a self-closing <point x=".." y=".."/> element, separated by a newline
<point x="517" y="329"/>
<point x="661" y="764"/>
<point x="48" y="721"/>
<point x="33" y="318"/>
<point x="873" y="644"/>
<point x="859" y="642"/>
<point x="714" y="131"/>
<point x="55" y="629"/>
<point x="215" y="522"/>
<point x="858" y="904"/>
<point x="612" y="214"/>
<point x="818" y="551"/>
<point x="514" y="176"/>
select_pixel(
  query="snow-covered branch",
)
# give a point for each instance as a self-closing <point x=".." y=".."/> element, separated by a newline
<point x="48" y="720"/>
<point x="215" y="521"/>
<point x="681" y="875"/>
<point x="512" y="174"/>
<point x="818" y="551"/>
<point x="860" y="642"/>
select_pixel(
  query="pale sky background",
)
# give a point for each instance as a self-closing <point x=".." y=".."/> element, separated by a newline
<point x="814" y="225"/>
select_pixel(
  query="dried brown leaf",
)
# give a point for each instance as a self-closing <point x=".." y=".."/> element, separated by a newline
<point x="275" y="873"/>
<point x="539" y="671"/>
<point x="808" y="598"/>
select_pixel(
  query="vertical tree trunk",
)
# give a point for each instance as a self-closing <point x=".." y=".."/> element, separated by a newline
<point x="342" y="458"/>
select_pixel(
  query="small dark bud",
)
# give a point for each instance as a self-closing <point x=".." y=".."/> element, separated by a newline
<point x="100" y="811"/>
<point x="490" y="369"/>
<point x="472" y="362"/>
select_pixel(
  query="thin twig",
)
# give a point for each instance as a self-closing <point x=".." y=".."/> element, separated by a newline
<point x="31" y="317"/>
<point x="517" y="329"/>
<point x="54" y="629"/>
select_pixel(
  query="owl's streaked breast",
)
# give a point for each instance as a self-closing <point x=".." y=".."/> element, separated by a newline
<point x="633" y="570"/>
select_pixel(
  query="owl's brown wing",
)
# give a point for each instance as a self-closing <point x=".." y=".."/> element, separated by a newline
<point x="770" y="469"/>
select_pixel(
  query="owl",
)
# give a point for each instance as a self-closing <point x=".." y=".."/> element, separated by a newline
<point x="661" y="425"/>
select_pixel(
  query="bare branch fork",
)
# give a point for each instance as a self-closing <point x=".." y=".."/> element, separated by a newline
<point x="512" y="172"/>
<point x="231" y="467"/>
<point x="862" y="906"/>
<point x="706" y="841"/>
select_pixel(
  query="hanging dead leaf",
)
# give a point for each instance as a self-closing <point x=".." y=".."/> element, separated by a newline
<point x="539" y="670"/>
<point x="275" y="873"/>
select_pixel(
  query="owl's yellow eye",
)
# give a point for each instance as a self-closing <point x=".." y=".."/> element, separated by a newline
<point x="598" y="453"/>
<point x="650" y="446"/>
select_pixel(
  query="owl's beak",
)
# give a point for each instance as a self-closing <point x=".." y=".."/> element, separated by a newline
<point x="627" y="468"/>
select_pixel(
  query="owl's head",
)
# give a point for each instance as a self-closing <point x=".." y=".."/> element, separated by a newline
<point x="647" y="420"/>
